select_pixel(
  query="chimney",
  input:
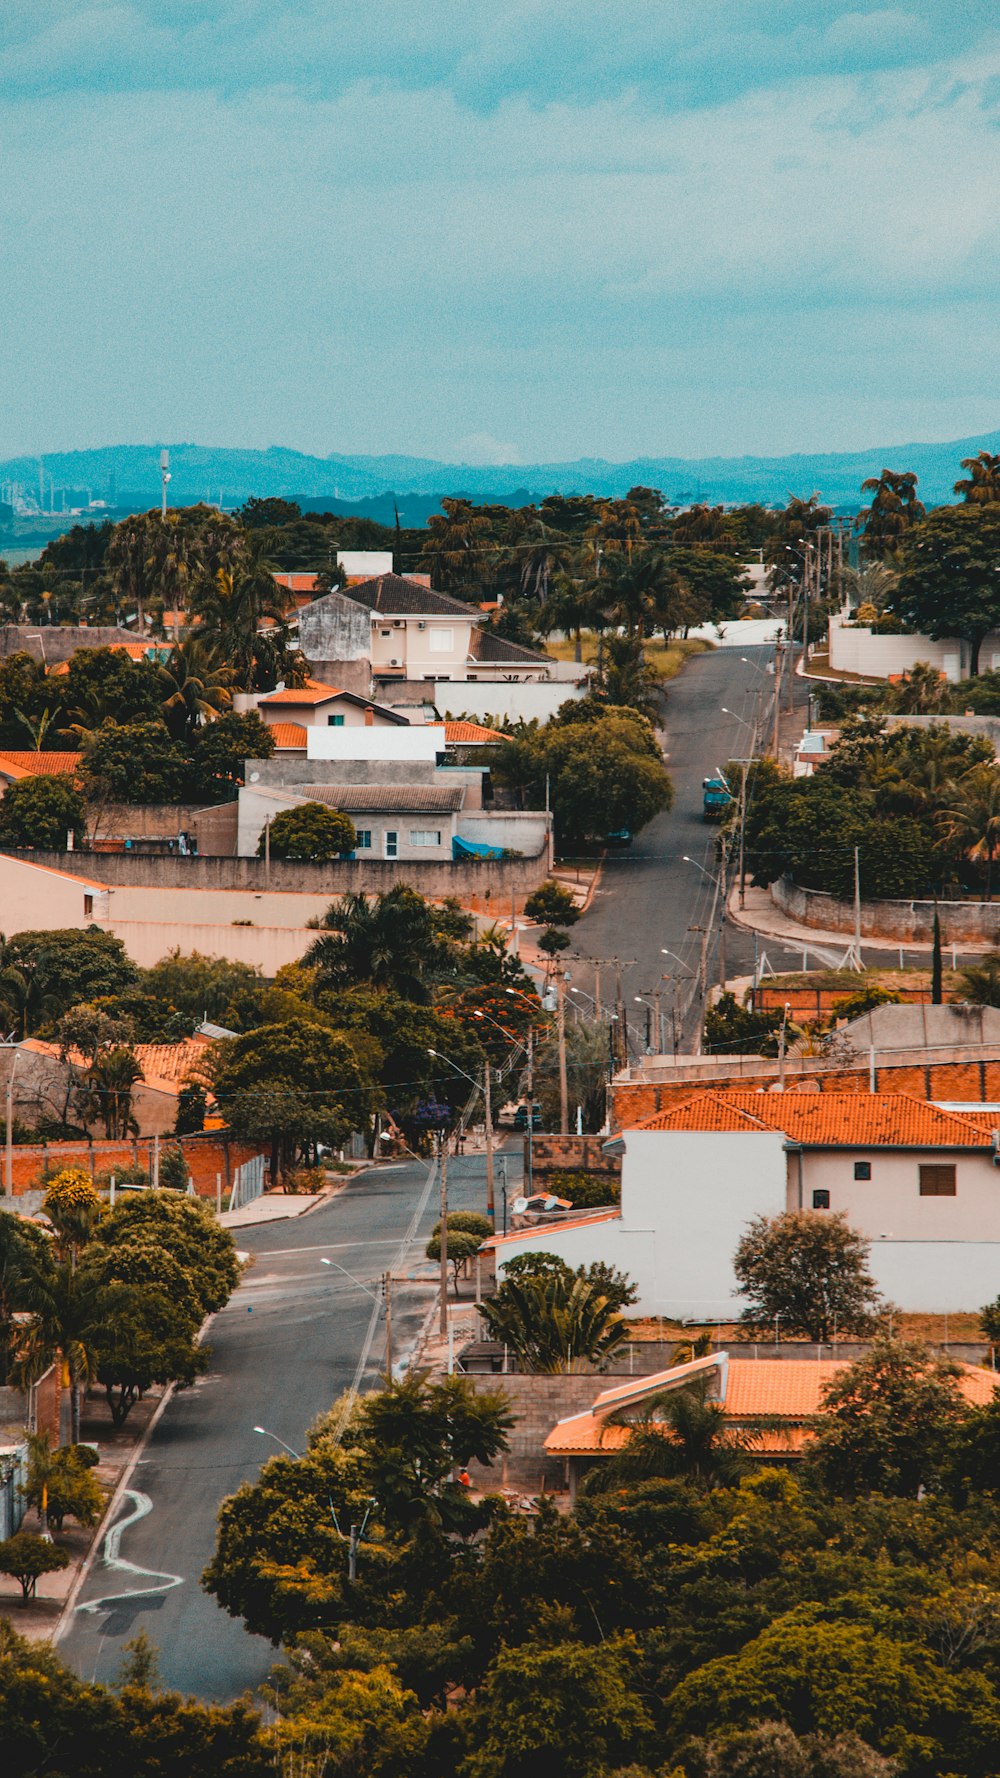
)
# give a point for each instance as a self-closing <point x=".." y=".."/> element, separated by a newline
<point x="369" y="717"/>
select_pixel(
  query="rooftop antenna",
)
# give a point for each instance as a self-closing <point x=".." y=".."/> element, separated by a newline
<point x="164" y="478"/>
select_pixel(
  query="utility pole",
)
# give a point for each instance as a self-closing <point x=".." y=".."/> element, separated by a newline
<point x="531" y="1121"/>
<point x="743" y="829"/>
<point x="443" y="1280"/>
<point x="491" y="1204"/>
<point x="563" y="1087"/>
<point x="725" y="910"/>
<point x="779" y="655"/>
<point x="781" y="1049"/>
<point x="387" y="1293"/>
<point x="8" y="1175"/>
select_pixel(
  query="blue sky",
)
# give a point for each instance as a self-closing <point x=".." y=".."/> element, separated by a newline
<point x="498" y="232"/>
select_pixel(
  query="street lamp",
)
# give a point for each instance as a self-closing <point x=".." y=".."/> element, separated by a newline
<point x="386" y="1297"/>
<point x="667" y="953"/>
<point x="652" y="1006"/>
<point x="264" y="1433"/>
<point x="483" y="1087"/>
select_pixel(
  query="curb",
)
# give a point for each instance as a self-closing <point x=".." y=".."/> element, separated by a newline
<point x="833" y="940"/>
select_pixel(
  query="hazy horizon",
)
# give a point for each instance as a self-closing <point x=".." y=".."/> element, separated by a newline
<point x="503" y="235"/>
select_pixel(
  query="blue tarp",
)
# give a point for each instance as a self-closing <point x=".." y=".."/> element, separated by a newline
<point x="470" y="849"/>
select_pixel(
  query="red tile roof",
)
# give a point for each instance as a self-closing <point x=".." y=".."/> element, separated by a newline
<point x="18" y="763"/>
<point x="455" y="733"/>
<point x="313" y="692"/>
<point x="828" y="1120"/>
<point x="786" y="1390"/>
<point x="287" y="734"/>
<point x="551" y="1228"/>
<point x="297" y="583"/>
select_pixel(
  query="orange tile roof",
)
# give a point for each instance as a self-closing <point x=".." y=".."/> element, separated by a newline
<point x="788" y="1390"/>
<point x="313" y="692"/>
<point x="166" y="1067"/>
<point x="828" y="1120"/>
<point x="470" y="732"/>
<point x="288" y="734"/>
<point x="18" y="763"/>
<point x="296" y="583"/>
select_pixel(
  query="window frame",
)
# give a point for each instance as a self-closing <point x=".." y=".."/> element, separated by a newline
<point x="943" y="1184"/>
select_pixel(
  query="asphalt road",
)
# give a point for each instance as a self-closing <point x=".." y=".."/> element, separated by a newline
<point x="283" y="1349"/>
<point x="649" y="897"/>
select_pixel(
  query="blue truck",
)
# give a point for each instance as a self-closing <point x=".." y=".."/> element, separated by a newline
<point x="716" y="797"/>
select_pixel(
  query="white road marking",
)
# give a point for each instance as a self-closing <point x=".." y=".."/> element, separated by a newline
<point x="322" y="1247"/>
<point x="112" y="1543"/>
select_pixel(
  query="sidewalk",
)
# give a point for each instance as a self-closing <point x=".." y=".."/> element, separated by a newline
<point x="39" y="1619"/>
<point x="272" y="1207"/>
<point x="760" y="915"/>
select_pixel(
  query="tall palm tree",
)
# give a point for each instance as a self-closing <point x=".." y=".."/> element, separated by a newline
<point x="923" y="691"/>
<point x="637" y="590"/>
<point x="64" y="1328"/>
<point x="893" y="511"/>
<point x="971" y="817"/>
<point x="388" y="941"/>
<point x="569" y="606"/>
<point x="542" y="555"/>
<point x="231" y="609"/>
<point x="981" y="487"/>
<point x="107" y="1092"/>
<point x="873" y="583"/>
<point x="458" y="543"/>
<point x="195" y="689"/>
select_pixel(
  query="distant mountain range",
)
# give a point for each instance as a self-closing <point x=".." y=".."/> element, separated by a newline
<point x="129" y="476"/>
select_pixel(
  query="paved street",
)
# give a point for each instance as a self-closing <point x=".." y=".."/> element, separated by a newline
<point x="648" y="897"/>
<point x="284" y="1347"/>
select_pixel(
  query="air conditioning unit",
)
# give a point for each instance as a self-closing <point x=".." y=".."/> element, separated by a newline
<point x="395" y="663"/>
<point x="421" y="625"/>
<point x="397" y="623"/>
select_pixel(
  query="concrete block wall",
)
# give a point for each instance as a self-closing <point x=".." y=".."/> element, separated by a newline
<point x="571" y="1154"/>
<point x="973" y="1081"/>
<point x="974" y="922"/>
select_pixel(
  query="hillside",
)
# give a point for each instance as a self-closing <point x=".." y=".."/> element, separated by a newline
<point x="128" y="475"/>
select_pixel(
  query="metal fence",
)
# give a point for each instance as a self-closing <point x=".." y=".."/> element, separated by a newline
<point x="13" y="1478"/>
<point x="248" y="1183"/>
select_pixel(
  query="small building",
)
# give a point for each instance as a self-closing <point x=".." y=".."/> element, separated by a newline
<point x="316" y="705"/>
<point x="920" y="1183"/>
<point x="770" y="1400"/>
<point x="17" y="763"/>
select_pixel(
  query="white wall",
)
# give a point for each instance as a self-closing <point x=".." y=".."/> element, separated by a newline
<point x="504" y="700"/>
<point x="33" y="898"/>
<point x="366" y="562"/>
<point x="421" y="743"/>
<point x="856" y="649"/>
<point x="267" y="948"/>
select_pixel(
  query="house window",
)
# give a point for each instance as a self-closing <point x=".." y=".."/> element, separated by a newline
<point x="937" y="1182"/>
<point x="425" y="836"/>
<point x="862" y="1169"/>
<point x="440" y="641"/>
<point x="335" y="722"/>
<point x="391" y="844"/>
<point x="88" y="905"/>
<point x="385" y="632"/>
<point x="821" y="1200"/>
<point x="364" y="839"/>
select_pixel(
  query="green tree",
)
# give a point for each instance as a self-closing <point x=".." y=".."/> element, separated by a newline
<point x="194" y="690"/>
<point x="24" y="1251"/>
<point x="887" y="1421"/>
<point x="187" y="1230"/>
<point x="678" y="1433"/>
<point x="412" y="1436"/>
<point x="949" y="583"/>
<point x="133" y="763"/>
<point x="200" y="987"/>
<point x="219" y="750"/>
<point x="308" y="833"/>
<point x="981" y="487"/>
<point x="145" y="1337"/>
<point x="63" y="1326"/>
<point x="61" y="1484"/>
<point x="292" y="1085"/>
<point x="106" y="1093"/>
<point x="552" y="904"/>
<point x="731" y="1028"/>
<point x="807" y="1271"/>
<point x="58" y="969"/>
<point x="603" y="767"/>
<point x="388" y="940"/>
<point x="774" y="1751"/>
<point x="41" y="811"/>
<point x="970" y="819"/>
<point x="27" y="1558"/>
<point x="231" y="606"/>
<point x="463" y="1243"/>
<point x="563" y="1709"/>
<point x="893" y="512"/>
<point x="103" y="683"/>
<point x="555" y="1323"/>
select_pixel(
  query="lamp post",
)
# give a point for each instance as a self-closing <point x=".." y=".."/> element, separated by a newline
<point x="264" y="1433"/>
<point x="483" y="1087"/>
<point x="706" y="933"/>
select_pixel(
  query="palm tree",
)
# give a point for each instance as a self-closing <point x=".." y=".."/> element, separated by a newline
<point x="873" y="583"/>
<point x="555" y="1322"/>
<point x="893" y="511"/>
<point x="232" y="607"/>
<point x="679" y="1433"/>
<point x="981" y="981"/>
<point x="569" y="606"/>
<point x="923" y="691"/>
<point x="638" y="589"/>
<point x="64" y="1328"/>
<point x="107" y="1093"/>
<point x="982" y="485"/>
<point x="37" y="727"/>
<point x="971" y="818"/>
<point x="457" y="545"/>
<point x="195" y="689"/>
<point x="388" y="941"/>
<point x="542" y="555"/>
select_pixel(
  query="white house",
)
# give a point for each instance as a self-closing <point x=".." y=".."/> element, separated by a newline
<point x="921" y="1183"/>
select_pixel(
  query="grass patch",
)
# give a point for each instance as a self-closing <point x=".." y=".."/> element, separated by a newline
<point x="666" y="657"/>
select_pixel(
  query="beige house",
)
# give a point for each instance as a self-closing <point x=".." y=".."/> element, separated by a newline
<point x="920" y="1183"/>
<point x="315" y="705"/>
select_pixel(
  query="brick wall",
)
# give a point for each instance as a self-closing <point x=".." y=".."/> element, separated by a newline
<point x="571" y="1154"/>
<point x="206" y="1156"/>
<point x="971" y="1081"/>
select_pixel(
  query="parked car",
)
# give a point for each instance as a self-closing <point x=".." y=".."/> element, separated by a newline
<point x="521" y="1117"/>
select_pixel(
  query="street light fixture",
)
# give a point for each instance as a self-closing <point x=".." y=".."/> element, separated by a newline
<point x="482" y="1086"/>
<point x="265" y="1433"/>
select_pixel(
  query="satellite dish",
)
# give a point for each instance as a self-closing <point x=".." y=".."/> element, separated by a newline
<point x="519" y="1206"/>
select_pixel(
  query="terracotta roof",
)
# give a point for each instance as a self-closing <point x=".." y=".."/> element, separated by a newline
<point x="296" y="583"/>
<point x="473" y="733"/>
<point x="395" y="595"/>
<point x="288" y="734"/>
<point x="788" y="1390"/>
<point x="393" y="799"/>
<point x="828" y="1120"/>
<point x="165" y="1066"/>
<point x="136" y="651"/>
<point x="313" y="692"/>
<point x="16" y="763"/>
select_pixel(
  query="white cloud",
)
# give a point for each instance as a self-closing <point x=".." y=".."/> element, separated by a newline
<point x="481" y="448"/>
